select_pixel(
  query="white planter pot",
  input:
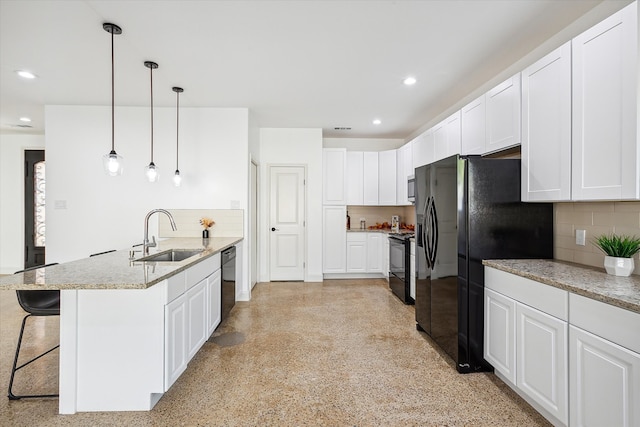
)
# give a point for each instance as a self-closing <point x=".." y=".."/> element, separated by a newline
<point x="618" y="266"/>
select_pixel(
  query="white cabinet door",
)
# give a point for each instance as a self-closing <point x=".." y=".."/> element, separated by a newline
<point x="423" y="152"/>
<point x="356" y="252"/>
<point x="334" y="241"/>
<point x="446" y="137"/>
<point x="401" y="177"/>
<point x="175" y="341"/>
<point x="605" y="382"/>
<point x="387" y="177"/>
<point x="334" y="171"/>
<point x="500" y="333"/>
<point x="355" y="178"/>
<point x="546" y="128"/>
<point x="371" y="178"/>
<point x="473" y="124"/>
<point x="503" y="115"/>
<point x="214" y="284"/>
<point x="196" y="318"/>
<point x="541" y="365"/>
<point x="605" y="143"/>
<point x="374" y="252"/>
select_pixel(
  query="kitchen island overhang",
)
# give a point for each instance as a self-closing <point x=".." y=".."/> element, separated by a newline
<point x="117" y="352"/>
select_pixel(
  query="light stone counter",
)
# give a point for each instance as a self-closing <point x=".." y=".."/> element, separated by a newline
<point x="114" y="270"/>
<point x="591" y="282"/>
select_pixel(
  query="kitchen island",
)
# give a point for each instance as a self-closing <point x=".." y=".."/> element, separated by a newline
<point x="128" y="328"/>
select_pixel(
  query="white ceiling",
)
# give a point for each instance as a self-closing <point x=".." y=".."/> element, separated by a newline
<point x="318" y="64"/>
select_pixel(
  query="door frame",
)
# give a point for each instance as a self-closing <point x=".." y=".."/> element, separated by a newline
<point x="254" y="224"/>
<point x="304" y="166"/>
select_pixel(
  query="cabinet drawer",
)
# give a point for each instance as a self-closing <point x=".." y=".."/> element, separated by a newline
<point x="199" y="271"/>
<point x="545" y="298"/>
<point x="607" y="321"/>
<point x="356" y="237"/>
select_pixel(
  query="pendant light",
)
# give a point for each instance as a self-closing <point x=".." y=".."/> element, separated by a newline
<point x="177" y="179"/>
<point x="112" y="162"/>
<point x="152" y="172"/>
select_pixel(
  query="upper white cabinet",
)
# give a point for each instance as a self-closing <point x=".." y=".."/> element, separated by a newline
<point x="503" y="115"/>
<point x="473" y="123"/>
<point x="371" y="178"/>
<point x="546" y="128"/>
<point x="355" y="177"/>
<point x="334" y="171"/>
<point x="423" y="151"/>
<point x="446" y="137"/>
<point x="605" y="141"/>
<point x="387" y="177"/>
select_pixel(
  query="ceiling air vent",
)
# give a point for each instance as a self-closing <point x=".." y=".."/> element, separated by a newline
<point x="342" y="128"/>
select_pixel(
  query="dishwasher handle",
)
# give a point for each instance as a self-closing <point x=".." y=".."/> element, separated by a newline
<point x="228" y="254"/>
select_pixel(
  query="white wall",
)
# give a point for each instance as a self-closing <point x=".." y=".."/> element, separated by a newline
<point x="294" y="147"/>
<point x="12" y="198"/>
<point x="363" y="144"/>
<point x="105" y="212"/>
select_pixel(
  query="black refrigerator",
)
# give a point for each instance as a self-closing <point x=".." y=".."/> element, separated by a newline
<point x="469" y="209"/>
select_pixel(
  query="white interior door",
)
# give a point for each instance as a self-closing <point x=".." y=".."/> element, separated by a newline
<point x="286" y="219"/>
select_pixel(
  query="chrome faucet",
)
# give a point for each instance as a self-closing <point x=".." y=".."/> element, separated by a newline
<point x="145" y="242"/>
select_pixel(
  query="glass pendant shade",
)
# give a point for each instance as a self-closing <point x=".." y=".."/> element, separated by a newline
<point x="177" y="179"/>
<point x="112" y="163"/>
<point x="152" y="172"/>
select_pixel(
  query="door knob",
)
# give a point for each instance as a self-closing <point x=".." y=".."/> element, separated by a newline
<point x="274" y="229"/>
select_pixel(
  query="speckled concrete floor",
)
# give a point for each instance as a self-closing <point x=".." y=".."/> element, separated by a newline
<point x="337" y="353"/>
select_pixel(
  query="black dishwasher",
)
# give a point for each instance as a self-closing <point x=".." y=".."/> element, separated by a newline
<point x="228" y="289"/>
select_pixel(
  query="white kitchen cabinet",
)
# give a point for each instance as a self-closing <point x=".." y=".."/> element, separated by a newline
<point x="334" y="171"/>
<point x="446" y="137"/>
<point x="404" y="162"/>
<point x="371" y="178"/>
<point x="176" y="352"/>
<point x="500" y="333"/>
<point x="605" y="382"/>
<point x="546" y="128"/>
<point x="334" y="239"/>
<point x="423" y="151"/>
<point x="196" y="318"/>
<point x="374" y="252"/>
<point x="387" y="177"/>
<point x="541" y="367"/>
<point x="605" y="144"/>
<point x="356" y="252"/>
<point x="355" y="178"/>
<point x="473" y="127"/>
<point x="214" y="310"/>
<point x="503" y="115"/>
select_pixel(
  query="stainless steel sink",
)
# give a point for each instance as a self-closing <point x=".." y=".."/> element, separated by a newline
<point x="173" y="255"/>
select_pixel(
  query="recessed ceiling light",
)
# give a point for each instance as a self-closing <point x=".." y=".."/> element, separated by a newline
<point x="26" y="74"/>
<point x="25" y="119"/>
<point x="409" y="81"/>
<point x="377" y="121"/>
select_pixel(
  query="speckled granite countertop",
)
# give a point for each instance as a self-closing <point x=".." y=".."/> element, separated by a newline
<point x="590" y="282"/>
<point x="114" y="270"/>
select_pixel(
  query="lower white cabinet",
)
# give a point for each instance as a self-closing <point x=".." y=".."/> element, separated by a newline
<point x="214" y="295"/>
<point x="605" y="382"/>
<point x="374" y="252"/>
<point x="356" y="252"/>
<point x="197" y="318"/>
<point x="334" y="239"/>
<point x="541" y="367"/>
<point x="500" y="333"/>
<point x="175" y="340"/>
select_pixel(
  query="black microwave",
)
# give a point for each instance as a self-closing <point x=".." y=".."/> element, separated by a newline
<point x="411" y="188"/>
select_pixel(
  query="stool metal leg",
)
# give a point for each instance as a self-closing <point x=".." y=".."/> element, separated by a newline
<point x="15" y="362"/>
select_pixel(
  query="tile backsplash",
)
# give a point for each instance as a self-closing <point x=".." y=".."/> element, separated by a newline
<point x="595" y="218"/>
<point x="228" y="223"/>
<point x="381" y="214"/>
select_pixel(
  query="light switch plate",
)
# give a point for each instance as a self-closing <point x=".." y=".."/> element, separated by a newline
<point x="581" y="236"/>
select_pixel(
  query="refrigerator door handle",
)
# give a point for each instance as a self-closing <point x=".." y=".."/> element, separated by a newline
<point x="428" y="232"/>
<point x="433" y="244"/>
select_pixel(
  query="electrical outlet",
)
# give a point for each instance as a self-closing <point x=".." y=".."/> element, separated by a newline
<point x="581" y="236"/>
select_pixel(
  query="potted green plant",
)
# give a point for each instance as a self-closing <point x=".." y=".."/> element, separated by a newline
<point x="619" y="251"/>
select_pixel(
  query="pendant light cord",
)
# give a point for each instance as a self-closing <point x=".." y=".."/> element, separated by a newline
<point x="151" y="71"/>
<point x="113" y="97"/>
<point x="177" y="125"/>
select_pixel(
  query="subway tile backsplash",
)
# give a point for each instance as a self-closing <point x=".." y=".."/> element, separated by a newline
<point x="596" y="218"/>
<point x="228" y="223"/>
<point x="381" y="214"/>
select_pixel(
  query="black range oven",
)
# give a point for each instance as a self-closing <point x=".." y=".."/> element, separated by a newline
<point x="399" y="266"/>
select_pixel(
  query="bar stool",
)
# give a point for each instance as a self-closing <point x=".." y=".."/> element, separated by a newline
<point x="35" y="303"/>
